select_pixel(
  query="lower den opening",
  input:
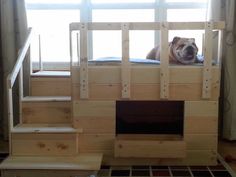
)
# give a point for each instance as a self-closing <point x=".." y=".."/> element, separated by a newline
<point x="150" y="117"/>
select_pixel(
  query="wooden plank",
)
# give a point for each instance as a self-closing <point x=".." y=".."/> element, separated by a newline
<point x="201" y="109"/>
<point x="146" y="74"/>
<point x="193" y="157"/>
<point x="84" y="61"/>
<point x="147" y="25"/>
<point x="150" y="148"/>
<point x="93" y="125"/>
<point x="44" y="144"/>
<point x="45" y="128"/>
<point x="125" y="65"/>
<point x="46" y="112"/>
<point x="207" y="71"/>
<point x="201" y="141"/>
<point x="147" y="91"/>
<point x="50" y="86"/>
<point x="164" y="59"/>
<point x="201" y="125"/>
<point x="78" y="162"/>
<point x="94" y="108"/>
<point x="96" y="143"/>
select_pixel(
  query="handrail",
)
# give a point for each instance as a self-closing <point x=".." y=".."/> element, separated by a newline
<point x="12" y="76"/>
<point x="11" y="80"/>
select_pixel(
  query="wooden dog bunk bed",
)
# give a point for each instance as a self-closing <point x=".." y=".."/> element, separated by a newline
<point x="104" y="95"/>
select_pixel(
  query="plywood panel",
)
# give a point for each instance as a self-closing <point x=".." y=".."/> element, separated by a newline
<point x="201" y="109"/>
<point x="150" y="148"/>
<point x="146" y="91"/>
<point x="46" y="112"/>
<point x="50" y="86"/>
<point x="44" y="144"/>
<point x="95" y="124"/>
<point x="94" y="108"/>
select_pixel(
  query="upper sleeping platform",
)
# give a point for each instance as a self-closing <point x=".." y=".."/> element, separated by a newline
<point x="206" y="62"/>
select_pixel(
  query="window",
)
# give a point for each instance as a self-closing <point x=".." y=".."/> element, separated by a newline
<point x="51" y="18"/>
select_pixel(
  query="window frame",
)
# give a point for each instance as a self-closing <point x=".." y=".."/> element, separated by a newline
<point x="86" y="7"/>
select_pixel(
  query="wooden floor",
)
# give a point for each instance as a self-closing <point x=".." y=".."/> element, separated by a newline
<point x="225" y="148"/>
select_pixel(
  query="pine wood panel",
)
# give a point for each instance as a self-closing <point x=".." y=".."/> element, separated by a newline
<point x="46" y="112"/>
<point x="50" y="86"/>
<point x="96" y="143"/>
<point x="201" y="108"/>
<point x="201" y="141"/>
<point x="201" y="125"/>
<point x="93" y="125"/>
<point x="145" y="74"/>
<point x="27" y="144"/>
<point x="193" y="157"/>
<point x="146" y="91"/>
<point x="94" y="108"/>
<point x="150" y="148"/>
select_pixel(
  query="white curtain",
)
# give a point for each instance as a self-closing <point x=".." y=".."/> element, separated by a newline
<point x="13" y="34"/>
<point x="225" y="10"/>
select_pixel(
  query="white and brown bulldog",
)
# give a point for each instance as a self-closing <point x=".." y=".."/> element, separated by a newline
<point x="181" y="51"/>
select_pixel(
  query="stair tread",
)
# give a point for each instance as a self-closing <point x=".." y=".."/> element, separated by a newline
<point x="79" y="162"/>
<point x="51" y="74"/>
<point x="45" y="128"/>
<point x="46" y="98"/>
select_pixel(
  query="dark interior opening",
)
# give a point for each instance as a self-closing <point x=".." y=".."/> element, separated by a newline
<point x="149" y="117"/>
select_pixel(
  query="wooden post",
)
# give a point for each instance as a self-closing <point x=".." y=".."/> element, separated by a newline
<point x="207" y="70"/>
<point x="84" y="93"/>
<point x="125" y="64"/>
<point x="164" y="59"/>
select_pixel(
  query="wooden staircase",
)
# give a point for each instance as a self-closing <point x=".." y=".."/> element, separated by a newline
<point x="45" y="143"/>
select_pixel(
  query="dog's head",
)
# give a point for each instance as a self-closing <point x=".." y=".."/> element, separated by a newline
<point x="184" y="50"/>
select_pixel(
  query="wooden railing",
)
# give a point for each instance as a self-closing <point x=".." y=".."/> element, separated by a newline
<point x="164" y="28"/>
<point x="17" y="70"/>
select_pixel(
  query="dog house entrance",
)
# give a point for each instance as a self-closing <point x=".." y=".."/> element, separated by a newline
<point x="150" y="117"/>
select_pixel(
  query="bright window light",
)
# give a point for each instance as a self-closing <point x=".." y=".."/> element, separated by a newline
<point x="107" y="44"/>
<point x="122" y="1"/>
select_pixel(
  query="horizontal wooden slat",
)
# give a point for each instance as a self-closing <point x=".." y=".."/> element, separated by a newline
<point x="145" y="74"/>
<point x="46" y="112"/>
<point x="201" y="108"/>
<point x="44" y="144"/>
<point x="92" y="143"/>
<point x="94" y="108"/>
<point x="95" y="124"/>
<point x="147" y="25"/>
<point x="150" y="149"/>
<point x="50" y="86"/>
<point x="193" y="157"/>
<point x="146" y="91"/>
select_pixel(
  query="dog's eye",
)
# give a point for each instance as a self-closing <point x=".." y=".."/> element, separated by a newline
<point x="181" y="46"/>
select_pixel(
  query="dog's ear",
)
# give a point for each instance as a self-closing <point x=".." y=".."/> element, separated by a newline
<point x="175" y="40"/>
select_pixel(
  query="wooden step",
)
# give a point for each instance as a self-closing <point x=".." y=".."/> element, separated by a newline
<point x="51" y="83"/>
<point x="44" y="139"/>
<point x="45" y="128"/>
<point x="79" y="165"/>
<point x="46" y="110"/>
